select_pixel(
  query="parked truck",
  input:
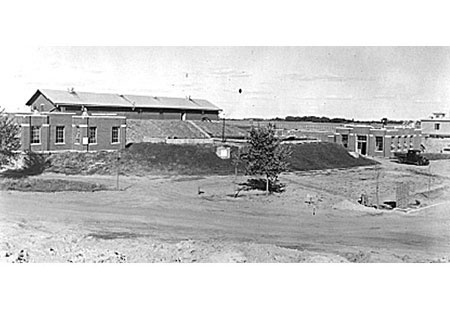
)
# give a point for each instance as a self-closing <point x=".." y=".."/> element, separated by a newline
<point x="412" y="157"/>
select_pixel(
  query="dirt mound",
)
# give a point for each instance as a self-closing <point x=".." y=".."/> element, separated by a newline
<point x="323" y="155"/>
<point x="180" y="159"/>
<point x="86" y="163"/>
<point x="145" y="158"/>
<point x="161" y="158"/>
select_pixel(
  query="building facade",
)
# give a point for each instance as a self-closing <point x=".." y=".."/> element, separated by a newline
<point x="130" y="106"/>
<point x="377" y="142"/>
<point x="52" y="132"/>
<point x="436" y="126"/>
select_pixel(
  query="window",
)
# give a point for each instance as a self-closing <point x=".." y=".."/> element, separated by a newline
<point x="362" y="138"/>
<point x="59" y="134"/>
<point x="77" y="135"/>
<point x="92" y="135"/>
<point x="437" y="126"/>
<point x="345" y="141"/>
<point x="36" y="135"/>
<point x="379" y="143"/>
<point x="115" y="135"/>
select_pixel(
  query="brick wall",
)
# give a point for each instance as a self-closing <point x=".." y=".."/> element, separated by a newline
<point x="393" y="140"/>
<point x="42" y="104"/>
<point x="73" y="129"/>
<point x="146" y="113"/>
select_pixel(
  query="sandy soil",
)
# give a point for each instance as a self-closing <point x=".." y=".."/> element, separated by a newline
<point x="165" y="219"/>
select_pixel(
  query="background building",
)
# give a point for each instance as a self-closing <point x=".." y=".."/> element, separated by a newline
<point x="436" y="126"/>
<point x="130" y="106"/>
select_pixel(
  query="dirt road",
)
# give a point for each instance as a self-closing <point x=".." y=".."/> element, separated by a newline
<point x="184" y="219"/>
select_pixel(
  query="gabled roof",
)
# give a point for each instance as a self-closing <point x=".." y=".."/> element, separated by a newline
<point x="61" y="97"/>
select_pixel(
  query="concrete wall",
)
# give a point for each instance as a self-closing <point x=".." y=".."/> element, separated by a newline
<point x="189" y="141"/>
<point x="434" y="145"/>
<point x="319" y="135"/>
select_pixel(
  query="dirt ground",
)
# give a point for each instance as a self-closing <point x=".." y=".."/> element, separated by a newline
<point x="197" y="219"/>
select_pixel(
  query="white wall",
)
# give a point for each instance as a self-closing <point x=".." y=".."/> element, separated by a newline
<point x="429" y="129"/>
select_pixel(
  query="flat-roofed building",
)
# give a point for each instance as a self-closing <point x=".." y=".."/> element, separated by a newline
<point x="436" y="126"/>
<point x="381" y="142"/>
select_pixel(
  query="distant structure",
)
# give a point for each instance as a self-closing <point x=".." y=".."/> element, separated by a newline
<point x="436" y="126"/>
<point x="130" y="106"/>
<point x="381" y="142"/>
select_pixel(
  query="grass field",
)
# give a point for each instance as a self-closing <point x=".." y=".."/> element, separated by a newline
<point x="48" y="185"/>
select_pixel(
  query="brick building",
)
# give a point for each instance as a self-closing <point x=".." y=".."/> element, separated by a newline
<point x="381" y="142"/>
<point x="51" y="132"/>
<point x="130" y="106"/>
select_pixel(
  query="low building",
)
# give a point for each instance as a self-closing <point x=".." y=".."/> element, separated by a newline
<point x="381" y="142"/>
<point x="130" y="106"/>
<point x="436" y="126"/>
<point x="52" y="132"/>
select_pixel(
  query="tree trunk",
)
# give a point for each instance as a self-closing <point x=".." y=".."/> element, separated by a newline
<point x="267" y="184"/>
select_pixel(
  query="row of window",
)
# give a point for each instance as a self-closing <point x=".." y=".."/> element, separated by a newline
<point x="60" y="135"/>
<point x="379" y="142"/>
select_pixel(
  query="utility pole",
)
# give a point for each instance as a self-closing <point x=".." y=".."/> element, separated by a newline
<point x="429" y="180"/>
<point x="378" y="187"/>
<point x="236" y="163"/>
<point x="223" y="130"/>
<point x="118" y="170"/>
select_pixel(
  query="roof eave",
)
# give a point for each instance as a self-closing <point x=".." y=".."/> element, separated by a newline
<point x="140" y="106"/>
<point x="35" y="96"/>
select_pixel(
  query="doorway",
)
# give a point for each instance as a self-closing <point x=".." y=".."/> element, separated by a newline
<point x="361" y="145"/>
